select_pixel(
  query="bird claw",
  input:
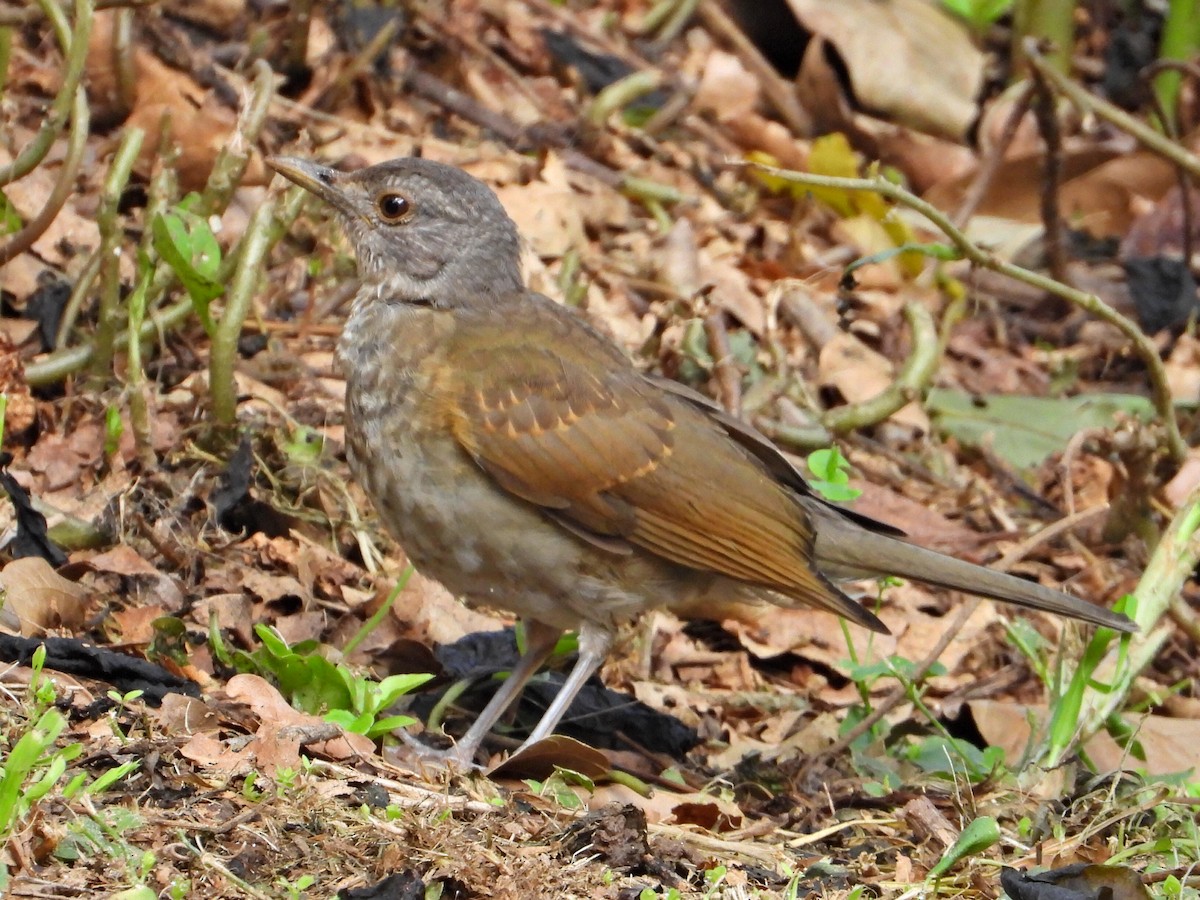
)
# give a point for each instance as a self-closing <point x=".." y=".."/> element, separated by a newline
<point x="458" y="756"/>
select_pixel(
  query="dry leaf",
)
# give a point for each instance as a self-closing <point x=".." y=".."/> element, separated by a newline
<point x="726" y="89"/>
<point x="40" y="598"/>
<point x="907" y="60"/>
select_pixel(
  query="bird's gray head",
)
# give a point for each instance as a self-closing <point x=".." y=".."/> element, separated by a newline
<point x="425" y="232"/>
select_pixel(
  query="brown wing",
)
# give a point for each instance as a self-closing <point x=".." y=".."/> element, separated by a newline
<point x="620" y="462"/>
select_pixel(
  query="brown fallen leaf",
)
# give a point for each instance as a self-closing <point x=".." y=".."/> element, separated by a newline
<point x="39" y="598"/>
<point x="1170" y="745"/>
<point x="907" y="60"/>
<point x="556" y="751"/>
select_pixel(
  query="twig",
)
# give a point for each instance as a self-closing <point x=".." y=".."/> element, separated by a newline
<point x="995" y="156"/>
<point x="1090" y="103"/>
<point x="1065" y="461"/>
<point x="911" y="383"/>
<point x="1142" y="345"/>
<point x="1048" y="533"/>
<point x="256" y="242"/>
<point x="437" y="91"/>
<point x="360" y="63"/>
<point x="729" y="380"/>
<point x="76" y="142"/>
<point x="1047" y="120"/>
<point x="73" y="44"/>
<point x="779" y="93"/>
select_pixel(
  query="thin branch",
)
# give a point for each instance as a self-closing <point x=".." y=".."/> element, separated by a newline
<point x="912" y="382"/>
<point x="73" y="44"/>
<point x="1090" y="103"/>
<point x="256" y="243"/>
<point x="76" y="142"/>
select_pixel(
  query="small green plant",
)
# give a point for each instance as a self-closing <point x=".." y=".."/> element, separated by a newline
<point x="1066" y="695"/>
<point x="668" y="894"/>
<point x="714" y="877"/>
<point x="249" y="790"/>
<point x="31" y="766"/>
<point x="559" y="784"/>
<point x="122" y="702"/>
<point x="187" y="244"/>
<point x="315" y="685"/>
<point x="939" y="754"/>
<point x="978" y="836"/>
<point x="831" y="475"/>
<point x="295" y="888"/>
<point x="980" y="15"/>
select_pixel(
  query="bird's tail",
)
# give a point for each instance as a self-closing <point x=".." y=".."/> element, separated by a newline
<point x="846" y="548"/>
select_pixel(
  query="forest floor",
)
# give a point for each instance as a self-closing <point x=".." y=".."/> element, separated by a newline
<point x="736" y="754"/>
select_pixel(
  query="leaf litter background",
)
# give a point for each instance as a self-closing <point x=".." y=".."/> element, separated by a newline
<point x="274" y="532"/>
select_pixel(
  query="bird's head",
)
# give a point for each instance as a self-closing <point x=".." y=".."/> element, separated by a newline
<point x="426" y="232"/>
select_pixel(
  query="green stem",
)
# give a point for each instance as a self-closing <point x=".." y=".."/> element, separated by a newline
<point x="621" y="93"/>
<point x="256" y="243"/>
<point x="109" y="222"/>
<point x="74" y="48"/>
<point x="1180" y="40"/>
<point x="1169" y="568"/>
<point x="5" y="57"/>
<point x="1052" y="21"/>
<point x="76" y="142"/>
<point x="63" y="363"/>
<point x="378" y="616"/>
<point x="912" y="382"/>
<point x="231" y="162"/>
<point x="1089" y="103"/>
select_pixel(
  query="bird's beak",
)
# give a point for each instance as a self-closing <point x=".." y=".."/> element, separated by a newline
<point x="316" y="179"/>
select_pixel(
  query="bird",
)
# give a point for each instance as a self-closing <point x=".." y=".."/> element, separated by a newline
<point x="520" y="458"/>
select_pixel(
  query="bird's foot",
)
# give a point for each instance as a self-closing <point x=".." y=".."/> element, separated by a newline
<point x="458" y="757"/>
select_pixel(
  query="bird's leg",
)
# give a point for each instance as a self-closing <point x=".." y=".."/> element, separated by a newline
<point x="540" y="640"/>
<point x="594" y="644"/>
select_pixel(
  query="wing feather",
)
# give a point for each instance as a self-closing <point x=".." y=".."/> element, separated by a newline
<point x="609" y="454"/>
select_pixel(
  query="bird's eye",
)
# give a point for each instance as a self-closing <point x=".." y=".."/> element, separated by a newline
<point x="394" y="208"/>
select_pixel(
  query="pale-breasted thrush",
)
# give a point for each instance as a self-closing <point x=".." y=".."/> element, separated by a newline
<point x="521" y="459"/>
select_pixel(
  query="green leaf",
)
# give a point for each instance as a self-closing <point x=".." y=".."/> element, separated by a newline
<point x="832" y="475"/>
<point x="394" y="687"/>
<point x="937" y="755"/>
<point x="390" y="724"/>
<point x="10" y="219"/>
<point x="975" y="838"/>
<point x="187" y="244"/>
<point x="1023" y="431"/>
<point x="111" y="777"/>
